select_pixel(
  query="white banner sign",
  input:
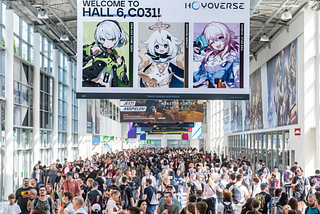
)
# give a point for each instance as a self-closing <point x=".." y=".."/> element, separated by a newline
<point x="151" y="49"/>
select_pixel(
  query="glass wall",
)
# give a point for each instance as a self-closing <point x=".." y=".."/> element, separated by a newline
<point x="2" y="16"/>
<point x="178" y="143"/>
<point x="154" y="144"/>
<point x="270" y="147"/>
<point x="108" y="109"/>
<point x="75" y="146"/>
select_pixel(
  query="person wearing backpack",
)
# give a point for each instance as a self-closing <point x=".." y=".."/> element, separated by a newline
<point x="226" y="206"/>
<point x="283" y="200"/>
<point x="273" y="184"/>
<point x="287" y="174"/>
<point x="126" y="194"/>
<point x="246" y="178"/>
<point x="134" y="188"/>
<point x="150" y="195"/>
<point x="299" y="185"/>
<point x="274" y="200"/>
<point x="264" y="198"/>
<point x="239" y="192"/>
<point x="222" y="183"/>
<point x="43" y="203"/>
<point x="312" y="205"/>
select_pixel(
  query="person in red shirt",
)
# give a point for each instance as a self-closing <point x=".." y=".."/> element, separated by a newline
<point x="71" y="185"/>
<point x="66" y="168"/>
<point x="273" y="184"/>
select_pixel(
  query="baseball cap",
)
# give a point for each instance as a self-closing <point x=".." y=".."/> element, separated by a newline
<point x="95" y="183"/>
<point x="96" y="207"/>
<point x="263" y="185"/>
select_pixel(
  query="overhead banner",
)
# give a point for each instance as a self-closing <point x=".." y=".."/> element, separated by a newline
<point x="150" y="49"/>
<point x="282" y="87"/>
<point x="161" y="110"/>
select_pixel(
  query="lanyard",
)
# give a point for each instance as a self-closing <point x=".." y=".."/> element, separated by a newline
<point x="170" y="208"/>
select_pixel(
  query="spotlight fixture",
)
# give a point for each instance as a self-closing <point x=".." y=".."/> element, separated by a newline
<point x="286" y="15"/>
<point x="64" y="37"/>
<point x="264" y="38"/>
<point x="43" y="14"/>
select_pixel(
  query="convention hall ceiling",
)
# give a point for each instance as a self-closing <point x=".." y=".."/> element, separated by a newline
<point x="265" y="19"/>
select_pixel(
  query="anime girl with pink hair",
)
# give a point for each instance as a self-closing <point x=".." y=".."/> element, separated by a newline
<point x="216" y="56"/>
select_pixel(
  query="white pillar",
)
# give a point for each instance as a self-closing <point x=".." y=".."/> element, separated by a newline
<point x="36" y="98"/>
<point x="9" y="169"/>
<point x="55" y="118"/>
<point x="69" y="113"/>
<point x="317" y="90"/>
<point x="82" y="115"/>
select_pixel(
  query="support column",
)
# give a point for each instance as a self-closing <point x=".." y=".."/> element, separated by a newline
<point x="69" y="113"/>
<point x="9" y="169"/>
<point x="82" y="115"/>
<point x="55" y="101"/>
<point x="36" y="98"/>
<point x="317" y="88"/>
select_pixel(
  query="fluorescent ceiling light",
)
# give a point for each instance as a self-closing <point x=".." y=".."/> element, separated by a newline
<point x="264" y="38"/>
<point x="64" y="37"/>
<point x="286" y="15"/>
<point x="43" y="14"/>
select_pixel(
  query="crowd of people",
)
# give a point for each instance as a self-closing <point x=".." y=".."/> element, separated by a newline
<point x="145" y="181"/>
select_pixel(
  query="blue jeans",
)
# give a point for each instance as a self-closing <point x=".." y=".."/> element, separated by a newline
<point x="219" y="200"/>
<point x="151" y="208"/>
<point x="180" y="196"/>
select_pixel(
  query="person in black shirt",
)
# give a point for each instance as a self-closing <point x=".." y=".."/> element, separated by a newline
<point x="100" y="181"/>
<point x="128" y="193"/>
<point x="22" y="196"/>
<point x="82" y="173"/>
<point x="92" y="173"/>
<point x="113" y="185"/>
<point x="84" y="188"/>
<point x="264" y="198"/>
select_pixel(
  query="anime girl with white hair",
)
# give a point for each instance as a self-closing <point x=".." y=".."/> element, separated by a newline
<point x="103" y="67"/>
<point x="216" y="56"/>
<point x="162" y="49"/>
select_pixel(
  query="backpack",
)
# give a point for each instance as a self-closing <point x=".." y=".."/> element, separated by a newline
<point x="108" y="182"/>
<point x="154" y="200"/>
<point x="273" y="205"/>
<point x="223" y="187"/>
<point x="246" y="182"/>
<point x="272" y="183"/>
<point x="236" y="194"/>
<point x="227" y="208"/>
<point x="124" y="198"/>
<point x="42" y="208"/>
<point x="165" y="162"/>
<point x="279" y="209"/>
<point x="134" y="188"/>
<point x="96" y="208"/>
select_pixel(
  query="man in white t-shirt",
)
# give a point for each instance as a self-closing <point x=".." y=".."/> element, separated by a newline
<point x="243" y="190"/>
<point x="143" y="181"/>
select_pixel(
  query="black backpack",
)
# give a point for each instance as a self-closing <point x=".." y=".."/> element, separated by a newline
<point x="36" y="202"/>
<point x="227" y="208"/>
<point x="272" y="183"/>
<point x="124" y="198"/>
<point x="134" y="188"/>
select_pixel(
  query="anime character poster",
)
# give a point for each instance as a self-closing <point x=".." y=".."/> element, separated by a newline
<point x="253" y="119"/>
<point x="236" y="116"/>
<point x="216" y="55"/>
<point x="107" y="56"/>
<point x="97" y="116"/>
<point x="162" y="56"/>
<point x="282" y="89"/>
<point x="89" y="116"/>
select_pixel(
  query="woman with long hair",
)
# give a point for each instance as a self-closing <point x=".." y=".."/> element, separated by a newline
<point x="274" y="200"/>
<point x="114" y="203"/>
<point x="90" y="184"/>
<point x="255" y="204"/>
<point x="142" y="204"/>
<point x="286" y="209"/>
<point x="53" y="195"/>
<point x="283" y="200"/>
<point x="294" y="204"/>
<point x="226" y="202"/>
<point x="247" y="206"/>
